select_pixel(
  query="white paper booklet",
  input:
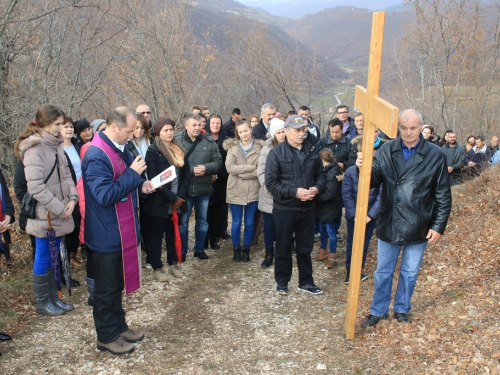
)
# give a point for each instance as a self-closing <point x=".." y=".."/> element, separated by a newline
<point x="164" y="177"/>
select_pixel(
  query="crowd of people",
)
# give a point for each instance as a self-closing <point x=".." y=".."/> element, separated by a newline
<point x="273" y="172"/>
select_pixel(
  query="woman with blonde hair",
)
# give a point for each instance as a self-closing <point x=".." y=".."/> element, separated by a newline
<point x="49" y="182"/>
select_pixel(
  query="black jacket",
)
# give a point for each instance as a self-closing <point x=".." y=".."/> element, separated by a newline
<point x="285" y="174"/>
<point x="416" y="194"/>
<point x="260" y="131"/>
<point x="9" y="207"/>
<point x="350" y="127"/>
<point x="219" y="186"/>
<point x="20" y="188"/>
<point x="341" y="148"/>
<point x="328" y="203"/>
<point x="455" y="157"/>
<point x="158" y="203"/>
<point x="228" y="128"/>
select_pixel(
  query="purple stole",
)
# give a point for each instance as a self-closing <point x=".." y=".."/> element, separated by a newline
<point x="126" y="222"/>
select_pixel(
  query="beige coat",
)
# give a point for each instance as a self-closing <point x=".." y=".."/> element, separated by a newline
<point x="265" y="197"/>
<point x="242" y="183"/>
<point x="38" y="155"/>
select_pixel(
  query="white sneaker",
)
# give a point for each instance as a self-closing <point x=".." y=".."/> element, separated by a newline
<point x="160" y="275"/>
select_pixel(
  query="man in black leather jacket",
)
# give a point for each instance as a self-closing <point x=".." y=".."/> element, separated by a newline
<point x="294" y="176"/>
<point x="414" y="210"/>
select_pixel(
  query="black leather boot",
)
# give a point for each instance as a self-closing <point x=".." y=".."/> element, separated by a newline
<point x="268" y="260"/>
<point x="245" y="254"/>
<point x="214" y="245"/>
<point x="237" y="253"/>
<point x="54" y="295"/>
<point x="44" y="305"/>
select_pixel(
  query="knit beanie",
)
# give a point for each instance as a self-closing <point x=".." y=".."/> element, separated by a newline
<point x="160" y="123"/>
<point x="96" y="123"/>
<point x="81" y="125"/>
<point x="276" y="124"/>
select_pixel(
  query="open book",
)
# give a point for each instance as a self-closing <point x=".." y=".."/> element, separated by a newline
<point x="164" y="177"/>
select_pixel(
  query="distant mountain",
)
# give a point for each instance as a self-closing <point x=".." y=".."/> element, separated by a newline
<point x="300" y="8"/>
<point x="211" y="18"/>
<point x="342" y="34"/>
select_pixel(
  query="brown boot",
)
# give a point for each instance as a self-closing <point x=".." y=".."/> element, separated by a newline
<point x="75" y="262"/>
<point x="322" y="256"/>
<point x="332" y="260"/>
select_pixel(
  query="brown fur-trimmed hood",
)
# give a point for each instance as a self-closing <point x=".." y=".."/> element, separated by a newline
<point x="232" y="142"/>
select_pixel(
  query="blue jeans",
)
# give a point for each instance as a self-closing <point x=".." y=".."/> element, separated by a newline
<point x="201" y="226"/>
<point x="387" y="258"/>
<point x="268" y="230"/>
<point x="350" y="234"/>
<point x="329" y="231"/>
<point x="42" y="255"/>
<point x="237" y="216"/>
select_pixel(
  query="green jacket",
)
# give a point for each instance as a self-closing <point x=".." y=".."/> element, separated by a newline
<point x="206" y="153"/>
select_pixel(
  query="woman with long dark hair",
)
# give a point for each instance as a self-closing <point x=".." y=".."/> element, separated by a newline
<point x="49" y="181"/>
<point x="166" y="151"/>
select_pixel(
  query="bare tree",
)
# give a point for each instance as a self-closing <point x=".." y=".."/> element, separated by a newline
<point x="447" y="65"/>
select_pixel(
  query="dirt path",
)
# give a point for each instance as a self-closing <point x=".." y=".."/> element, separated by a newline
<point x="226" y="318"/>
<point x="222" y="317"/>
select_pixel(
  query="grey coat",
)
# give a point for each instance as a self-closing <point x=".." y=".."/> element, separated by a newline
<point x="38" y="154"/>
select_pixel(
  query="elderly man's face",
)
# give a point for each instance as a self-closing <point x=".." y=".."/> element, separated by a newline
<point x="268" y="115"/>
<point x="296" y="136"/>
<point x="410" y="129"/>
<point x="145" y="111"/>
<point x="494" y="141"/>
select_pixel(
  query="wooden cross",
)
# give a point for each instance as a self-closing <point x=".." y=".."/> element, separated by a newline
<point x="377" y="113"/>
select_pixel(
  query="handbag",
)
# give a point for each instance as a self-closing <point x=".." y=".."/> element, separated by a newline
<point x="28" y="204"/>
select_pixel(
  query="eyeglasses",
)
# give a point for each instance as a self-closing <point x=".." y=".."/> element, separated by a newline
<point x="342" y="113"/>
<point x="144" y="113"/>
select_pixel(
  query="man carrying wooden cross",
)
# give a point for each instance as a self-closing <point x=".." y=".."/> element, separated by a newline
<point x="414" y="210"/>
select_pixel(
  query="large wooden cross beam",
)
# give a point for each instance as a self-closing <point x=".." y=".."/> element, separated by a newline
<point x="377" y="113"/>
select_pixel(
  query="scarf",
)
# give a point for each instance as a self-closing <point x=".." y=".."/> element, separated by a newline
<point x="377" y="143"/>
<point x="246" y="149"/>
<point x="479" y="151"/>
<point x="174" y="152"/>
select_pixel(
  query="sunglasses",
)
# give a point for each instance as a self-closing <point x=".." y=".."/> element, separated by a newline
<point x="144" y="113"/>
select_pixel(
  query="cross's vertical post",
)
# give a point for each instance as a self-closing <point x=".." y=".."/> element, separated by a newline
<point x="377" y="113"/>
